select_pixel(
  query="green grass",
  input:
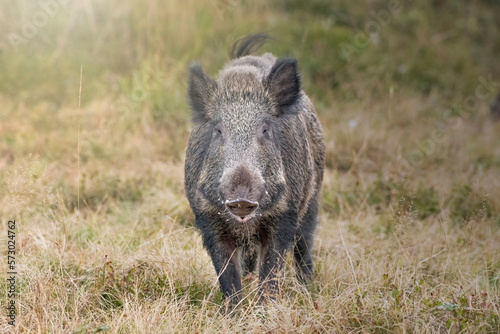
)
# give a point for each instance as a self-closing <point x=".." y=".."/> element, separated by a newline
<point x="410" y="209"/>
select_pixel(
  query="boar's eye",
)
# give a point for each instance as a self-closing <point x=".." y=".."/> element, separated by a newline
<point x="217" y="132"/>
<point x="265" y="132"/>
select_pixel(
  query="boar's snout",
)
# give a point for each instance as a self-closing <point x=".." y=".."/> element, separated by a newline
<point x="242" y="190"/>
<point x="241" y="208"/>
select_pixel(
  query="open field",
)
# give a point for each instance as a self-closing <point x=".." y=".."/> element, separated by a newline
<point x="92" y="170"/>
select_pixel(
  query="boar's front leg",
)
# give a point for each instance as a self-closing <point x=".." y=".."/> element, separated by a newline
<point x="226" y="262"/>
<point x="271" y="266"/>
<point x="304" y="238"/>
<point x="273" y="255"/>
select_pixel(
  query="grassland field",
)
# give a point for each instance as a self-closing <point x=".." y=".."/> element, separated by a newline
<point x="94" y="124"/>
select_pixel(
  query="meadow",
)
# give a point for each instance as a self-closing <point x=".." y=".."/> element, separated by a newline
<point x="94" y="125"/>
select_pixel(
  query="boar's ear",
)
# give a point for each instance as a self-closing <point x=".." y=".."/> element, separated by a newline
<point x="200" y="90"/>
<point x="283" y="82"/>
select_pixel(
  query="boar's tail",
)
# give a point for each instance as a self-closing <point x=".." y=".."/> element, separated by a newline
<point x="248" y="45"/>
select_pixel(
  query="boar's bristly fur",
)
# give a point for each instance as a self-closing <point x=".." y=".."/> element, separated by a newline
<point x="254" y="167"/>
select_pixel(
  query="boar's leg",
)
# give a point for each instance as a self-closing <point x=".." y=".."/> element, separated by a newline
<point x="302" y="257"/>
<point x="226" y="262"/>
<point x="273" y="254"/>
<point x="271" y="266"/>
<point x="250" y="259"/>
<point x="304" y="243"/>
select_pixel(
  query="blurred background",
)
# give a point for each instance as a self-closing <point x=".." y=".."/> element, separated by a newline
<point x="94" y="123"/>
<point x="134" y="55"/>
<point x="401" y="69"/>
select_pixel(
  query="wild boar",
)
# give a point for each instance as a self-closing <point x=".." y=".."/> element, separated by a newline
<point x="254" y="167"/>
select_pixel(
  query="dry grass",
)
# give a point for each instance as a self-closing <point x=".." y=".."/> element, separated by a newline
<point x="401" y="247"/>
